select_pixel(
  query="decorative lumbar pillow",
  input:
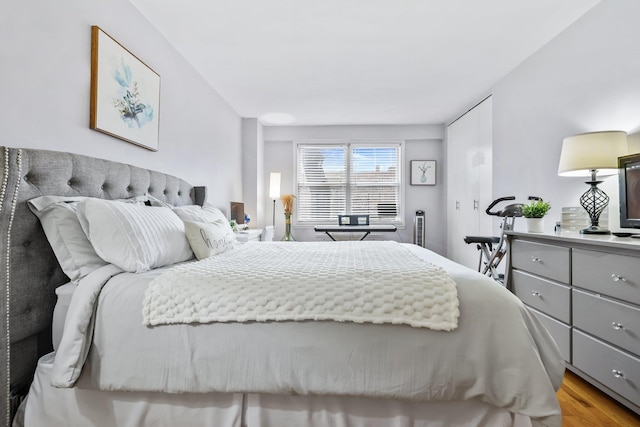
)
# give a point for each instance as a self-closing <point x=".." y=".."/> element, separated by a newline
<point x="207" y="213"/>
<point x="70" y="245"/>
<point x="133" y="237"/>
<point x="208" y="238"/>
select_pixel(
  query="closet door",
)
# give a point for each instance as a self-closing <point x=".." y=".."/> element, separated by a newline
<point x="469" y="181"/>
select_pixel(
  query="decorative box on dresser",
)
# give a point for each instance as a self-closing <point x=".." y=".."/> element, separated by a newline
<point x="586" y="291"/>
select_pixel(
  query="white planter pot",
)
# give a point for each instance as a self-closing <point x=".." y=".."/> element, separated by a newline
<point x="535" y="225"/>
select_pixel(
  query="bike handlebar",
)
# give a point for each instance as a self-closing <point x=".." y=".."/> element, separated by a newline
<point x="495" y="202"/>
<point x="504" y="199"/>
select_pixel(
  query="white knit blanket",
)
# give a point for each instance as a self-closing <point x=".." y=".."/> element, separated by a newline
<point x="375" y="282"/>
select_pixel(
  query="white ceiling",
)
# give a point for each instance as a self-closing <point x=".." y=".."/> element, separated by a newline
<point x="358" y="61"/>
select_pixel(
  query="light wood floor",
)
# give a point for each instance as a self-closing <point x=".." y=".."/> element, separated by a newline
<point x="585" y="406"/>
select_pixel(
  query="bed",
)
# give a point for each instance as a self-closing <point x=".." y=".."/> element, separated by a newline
<point x="496" y="366"/>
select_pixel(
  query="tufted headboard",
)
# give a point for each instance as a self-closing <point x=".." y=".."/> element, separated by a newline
<point x="30" y="271"/>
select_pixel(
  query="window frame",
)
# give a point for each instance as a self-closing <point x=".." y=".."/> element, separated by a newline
<point x="349" y="144"/>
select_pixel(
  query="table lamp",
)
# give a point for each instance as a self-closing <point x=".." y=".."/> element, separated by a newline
<point x="274" y="192"/>
<point x="591" y="154"/>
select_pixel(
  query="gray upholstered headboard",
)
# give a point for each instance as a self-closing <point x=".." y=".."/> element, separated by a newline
<point x="30" y="269"/>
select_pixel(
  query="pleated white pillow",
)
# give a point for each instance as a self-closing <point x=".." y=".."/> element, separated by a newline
<point x="133" y="237"/>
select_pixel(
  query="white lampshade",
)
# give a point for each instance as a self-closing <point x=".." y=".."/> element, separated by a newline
<point x="274" y="185"/>
<point x="594" y="150"/>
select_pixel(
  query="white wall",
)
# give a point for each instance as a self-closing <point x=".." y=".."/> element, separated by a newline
<point x="423" y="142"/>
<point x="586" y="79"/>
<point x="44" y="93"/>
<point x="252" y="171"/>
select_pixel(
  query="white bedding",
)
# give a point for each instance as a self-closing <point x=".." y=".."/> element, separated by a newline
<point x="54" y="407"/>
<point x="374" y="282"/>
<point x="499" y="354"/>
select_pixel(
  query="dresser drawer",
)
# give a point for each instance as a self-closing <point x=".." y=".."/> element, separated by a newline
<point x="545" y="260"/>
<point x="615" y="369"/>
<point x="614" y="275"/>
<point x="614" y="322"/>
<point x="549" y="297"/>
<point x="560" y="332"/>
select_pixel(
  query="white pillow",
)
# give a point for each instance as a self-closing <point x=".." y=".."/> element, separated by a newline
<point x="157" y="202"/>
<point x="206" y="213"/>
<point x="208" y="238"/>
<point x="133" y="237"/>
<point x="62" y="228"/>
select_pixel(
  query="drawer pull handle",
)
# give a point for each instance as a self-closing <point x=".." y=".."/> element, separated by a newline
<point x="617" y="326"/>
<point x="618" y="278"/>
<point x="535" y="259"/>
<point x="536" y="293"/>
<point x="618" y="374"/>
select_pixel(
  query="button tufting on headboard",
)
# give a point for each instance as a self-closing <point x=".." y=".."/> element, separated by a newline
<point x="32" y="271"/>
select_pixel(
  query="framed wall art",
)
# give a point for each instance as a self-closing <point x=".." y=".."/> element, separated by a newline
<point x="125" y="93"/>
<point x="237" y="212"/>
<point x="423" y="172"/>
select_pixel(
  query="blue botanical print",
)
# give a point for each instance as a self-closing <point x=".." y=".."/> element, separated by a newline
<point x="424" y="168"/>
<point x="133" y="111"/>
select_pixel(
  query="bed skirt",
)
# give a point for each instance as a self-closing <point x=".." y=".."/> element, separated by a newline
<point x="54" y="407"/>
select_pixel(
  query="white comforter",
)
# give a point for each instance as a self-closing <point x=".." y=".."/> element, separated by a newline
<point x="499" y="354"/>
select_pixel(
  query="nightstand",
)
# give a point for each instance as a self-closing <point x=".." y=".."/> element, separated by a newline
<point x="250" y="235"/>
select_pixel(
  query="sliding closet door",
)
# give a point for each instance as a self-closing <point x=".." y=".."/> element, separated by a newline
<point x="469" y="181"/>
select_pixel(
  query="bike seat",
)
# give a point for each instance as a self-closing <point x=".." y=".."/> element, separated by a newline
<point x="481" y="239"/>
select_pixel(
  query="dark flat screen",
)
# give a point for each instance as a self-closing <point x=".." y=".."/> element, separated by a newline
<point x="632" y="172"/>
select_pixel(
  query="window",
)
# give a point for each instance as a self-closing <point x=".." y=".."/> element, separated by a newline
<point x="348" y="178"/>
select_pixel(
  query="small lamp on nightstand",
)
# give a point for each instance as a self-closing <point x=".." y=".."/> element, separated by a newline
<point x="274" y="192"/>
<point x="588" y="154"/>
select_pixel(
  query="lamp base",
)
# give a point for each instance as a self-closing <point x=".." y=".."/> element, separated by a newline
<point x="594" y="201"/>
<point x="594" y="229"/>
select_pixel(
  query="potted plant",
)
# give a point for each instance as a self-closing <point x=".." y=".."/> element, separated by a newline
<point x="534" y="212"/>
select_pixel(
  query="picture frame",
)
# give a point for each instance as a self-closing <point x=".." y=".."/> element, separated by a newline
<point x="237" y="212"/>
<point x="423" y="172"/>
<point x="125" y="93"/>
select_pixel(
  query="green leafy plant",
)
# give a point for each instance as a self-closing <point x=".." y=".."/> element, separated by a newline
<point x="536" y="209"/>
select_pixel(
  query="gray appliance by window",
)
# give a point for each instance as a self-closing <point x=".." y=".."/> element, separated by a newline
<point x="419" y="229"/>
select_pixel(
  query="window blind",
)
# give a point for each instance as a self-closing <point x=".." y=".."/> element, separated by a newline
<point x="348" y="178"/>
<point x="321" y="181"/>
<point x="375" y="182"/>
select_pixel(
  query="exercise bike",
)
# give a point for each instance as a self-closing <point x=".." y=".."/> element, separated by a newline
<point x="493" y="249"/>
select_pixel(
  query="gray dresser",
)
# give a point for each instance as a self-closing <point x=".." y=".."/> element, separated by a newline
<point x="586" y="291"/>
